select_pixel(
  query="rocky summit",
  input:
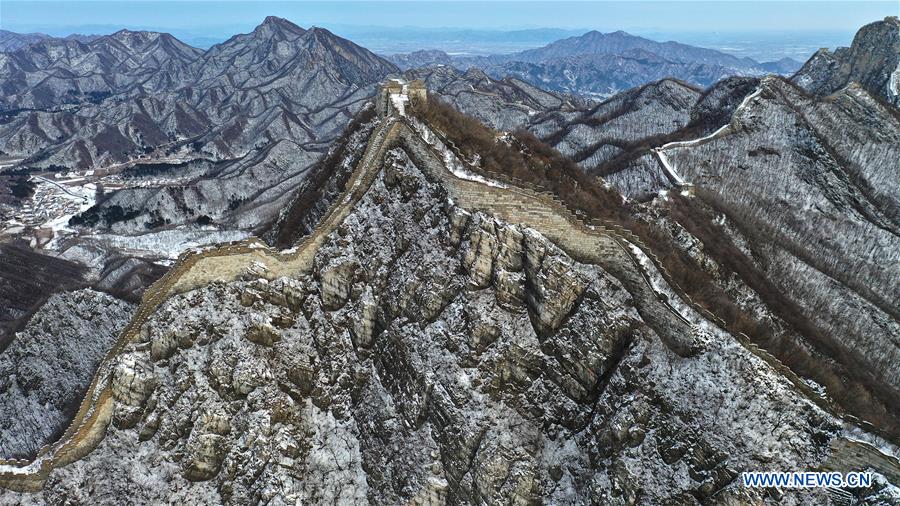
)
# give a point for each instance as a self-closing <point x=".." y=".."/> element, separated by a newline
<point x="301" y="275"/>
<point x="871" y="61"/>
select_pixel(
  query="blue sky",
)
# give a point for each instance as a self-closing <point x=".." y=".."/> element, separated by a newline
<point x="665" y="16"/>
<point x="764" y="30"/>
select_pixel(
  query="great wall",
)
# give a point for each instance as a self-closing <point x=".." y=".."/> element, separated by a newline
<point x="672" y="313"/>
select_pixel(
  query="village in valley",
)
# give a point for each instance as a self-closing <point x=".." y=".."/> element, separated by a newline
<point x="42" y="218"/>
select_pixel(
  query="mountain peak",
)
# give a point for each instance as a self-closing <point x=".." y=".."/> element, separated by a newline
<point x="145" y="43"/>
<point x="125" y="33"/>
<point x="275" y="20"/>
<point x="618" y="42"/>
<point x="140" y="37"/>
<point x="871" y="60"/>
<point x="273" y="25"/>
<point x="596" y="34"/>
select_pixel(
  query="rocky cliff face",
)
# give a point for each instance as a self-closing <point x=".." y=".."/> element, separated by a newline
<point x="433" y="355"/>
<point x="46" y="368"/>
<point x="873" y="60"/>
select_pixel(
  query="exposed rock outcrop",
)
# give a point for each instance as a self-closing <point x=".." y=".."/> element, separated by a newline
<point x="421" y="383"/>
<point x="47" y="367"/>
<point x="872" y="60"/>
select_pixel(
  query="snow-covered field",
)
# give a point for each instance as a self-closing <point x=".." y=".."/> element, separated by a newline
<point x="170" y="243"/>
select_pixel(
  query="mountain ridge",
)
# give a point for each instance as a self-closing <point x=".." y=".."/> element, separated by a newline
<point x="600" y="65"/>
<point x="483" y="275"/>
<point x="10" y="41"/>
<point x="873" y="60"/>
<point x="278" y="55"/>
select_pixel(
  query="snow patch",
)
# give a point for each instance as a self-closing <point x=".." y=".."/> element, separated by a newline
<point x="894" y="84"/>
<point x="171" y="243"/>
<point x="670" y="170"/>
<point x="451" y="161"/>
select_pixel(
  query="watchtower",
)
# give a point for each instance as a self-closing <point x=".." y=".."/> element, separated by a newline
<point x="399" y="89"/>
<point x="383" y="100"/>
<point x="416" y="90"/>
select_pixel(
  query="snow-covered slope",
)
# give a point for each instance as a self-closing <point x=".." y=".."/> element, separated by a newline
<point x="408" y="366"/>
<point x="48" y="365"/>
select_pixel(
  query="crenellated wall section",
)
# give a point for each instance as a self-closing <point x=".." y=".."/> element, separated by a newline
<point x="192" y="270"/>
<point x="585" y="240"/>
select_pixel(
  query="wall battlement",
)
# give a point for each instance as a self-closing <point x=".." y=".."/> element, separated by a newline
<point x="517" y="202"/>
<point x="192" y="270"/>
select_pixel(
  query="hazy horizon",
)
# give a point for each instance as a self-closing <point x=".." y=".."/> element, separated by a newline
<point x="760" y="30"/>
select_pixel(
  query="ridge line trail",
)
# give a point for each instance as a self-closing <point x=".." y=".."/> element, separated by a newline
<point x="671" y="171"/>
<point x="679" y="327"/>
<point x="194" y="268"/>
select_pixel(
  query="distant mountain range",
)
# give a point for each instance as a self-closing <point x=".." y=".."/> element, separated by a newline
<point x="191" y="145"/>
<point x="71" y="103"/>
<point x="593" y="64"/>
<point x="601" y="64"/>
<point x="10" y="41"/>
<point x="619" y="42"/>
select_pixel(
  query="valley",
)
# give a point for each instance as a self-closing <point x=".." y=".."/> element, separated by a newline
<point x="285" y="269"/>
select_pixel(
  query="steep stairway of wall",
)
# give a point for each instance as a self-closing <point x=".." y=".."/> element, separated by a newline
<point x="595" y="244"/>
<point x="677" y="324"/>
<point x="192" y="269"/>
